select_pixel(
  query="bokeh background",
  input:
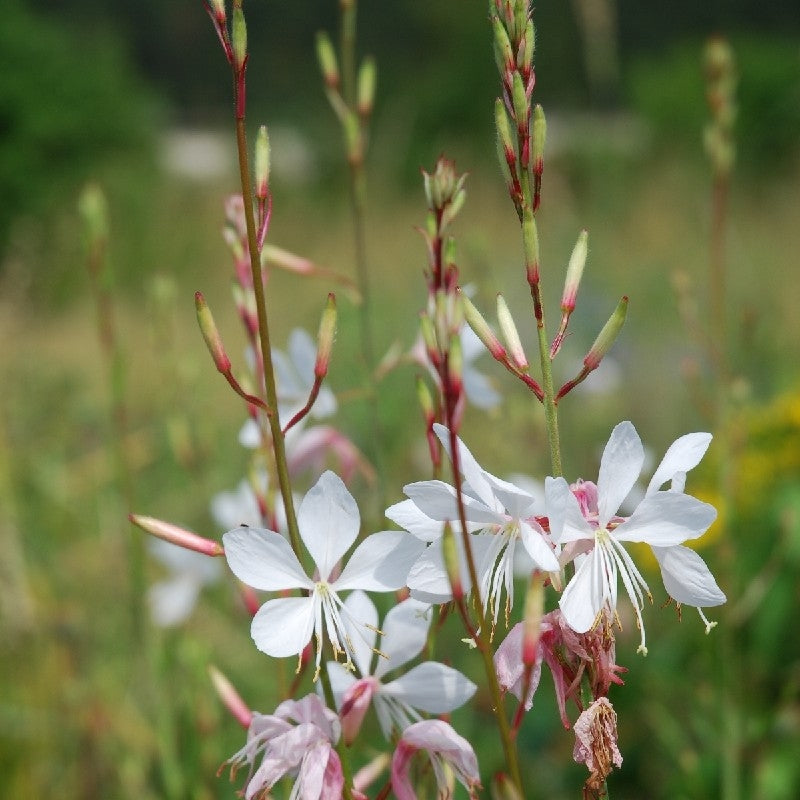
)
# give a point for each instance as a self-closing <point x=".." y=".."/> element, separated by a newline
<point x="98" y="702"/>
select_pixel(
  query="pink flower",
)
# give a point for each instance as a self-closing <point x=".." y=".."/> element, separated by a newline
<point x="304" y="750"/>
<point x="450" y="754"/>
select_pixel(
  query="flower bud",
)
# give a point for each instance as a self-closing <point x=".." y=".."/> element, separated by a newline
<point x="211" y="335"/>
<point x="503" y="52"/>
<point x="510" y="334"/>
<point x="482" y="329"/>
<point x="326" y="56"/>
<point x="577" y="262"/>
<point x="367" y="77"/>
<point x="218" y="11"/>
<point x="527" y="47"/>
<point x="429" y="337"/>
<point x="539" y="136"/>
<point x="504" y="134"/>
<point x="327" y="333"/>
<point x="520" y="103"/>
<point x="262" y="163"/>
<point x="425" y="401"/>
<point x="607" y="336"/>
<point x="455" y="365"/>
<point x="451" y="562"/>
<point x="239" y="38"/>
<point x="532" y="620"/>
<point x="177" y="535"/>
<point x="231" y="699"/>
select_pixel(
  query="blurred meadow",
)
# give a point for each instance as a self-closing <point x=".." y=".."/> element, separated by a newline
<point x="97" y="701"/>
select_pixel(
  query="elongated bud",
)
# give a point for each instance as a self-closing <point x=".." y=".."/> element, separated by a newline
<point x="527" y="47"/>
<point x="429" y="337"/>
<point x="607" y="336"/>
<point x="455" y="365"/>
<point x="218" y="10"/>
<point x="503" y="52"/>
<point x="231" y="699"/>
<point x="177" y="535"/>
<point x="327" y="333"/>
<point x="504" y="133"/>
<point x="452" y="209"/>
<point x="262" y="163"/>
<point x="239" y="38"/>
<point x="577" y="262"/>
<point x="425" y="400"/>
<point x="326" y="56"/>
<point x="450" y="555"/>
<point x="211" y="335"/>
<point x="539" y="137"/>
<point x="367" y="78"/>
<point x="520" y="103"/>
<point x="532" y="619"/>
<point x="510" y="334"/>
<point x="482" y="329"/>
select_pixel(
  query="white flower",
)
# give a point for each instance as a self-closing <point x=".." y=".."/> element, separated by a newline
<point x="686" y="577"/>
<point x="503" y="514"/>
<point x="662" y="519"/>
<point x="172" y="600"/>
<point x="430" y="686"/>
<point x="328" y="521"/>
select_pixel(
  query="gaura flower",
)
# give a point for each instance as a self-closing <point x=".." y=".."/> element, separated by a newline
<point x="304" y="749"/>
<point x="328" y="521"/>
<point x="591" y="531"/>
<point x="500" y="515"/>
<point x="450" y="755"/>
<point x="430" y="686"/>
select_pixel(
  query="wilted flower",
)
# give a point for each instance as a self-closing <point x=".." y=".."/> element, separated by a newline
<point x="596" y="744"/>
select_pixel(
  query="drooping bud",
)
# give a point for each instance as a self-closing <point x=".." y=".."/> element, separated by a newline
<point x="482" y="329"/>
<point x="367" y="78"/>
<point x="327" y="333"/>
<point x="510" y="334"/>
<point x="239" y="38"/>
<point x="231" y="699"/>
<point x="262" y="163"/>
<point x="326" y="56"/>
<point x="177" y="535"/>
<point x="607" y="336"/>
<point x="211" y="334"/>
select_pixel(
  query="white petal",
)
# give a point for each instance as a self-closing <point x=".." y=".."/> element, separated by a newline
<point x="405" y="631"/>
<point x="619" y="468"/>
<point x="683" y="455"/>
<point x="479" y="389"/>
<point x="172" y="602"/>
<point x="432" y="687"/>
<point x="470" y="469"/>
<point x="341" y="680"/>
<point x="283" y="627"/>
<point x="556" y="492"/>
<point x="437" y="500"/>
<point x="583" y="596"/>
<point x="686" y="577"/>
<point x="666" y="518"/>
<point x="361" y="609"/>
<point x="517" y="502"/>
<point x="408" y="516"/>
<point x="381" y="562"/>
<point x="329" y="521"/>
<point x="250" y="435"/>
<point x="537" y="548"/>
<point x="264" y="560"/>
<point x="575" y="528"/>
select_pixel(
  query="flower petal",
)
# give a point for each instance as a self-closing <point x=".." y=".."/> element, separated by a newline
<point x="329" y="521"/>
<point x="683" y="454"/>
<point x="407" y="515"/>
<point x="537" y="548"/>
<point x="517" y="502"/>
<point x="432" y="687"/>
<point x="381" y="562"/>
<point x="172" y="601"/>
<point x="619" y="468"/>
<point x="686" y="577"/>
<point x="437" y="500"/>
<point x="666" y="518"/>
<point x="360" y="608"/>
<point x="470" y="469"/>
<point x="583" y="596"/>
<point x="405" y="631"/>
<point x="264" y="560"/>
<point x="283" y="626"/>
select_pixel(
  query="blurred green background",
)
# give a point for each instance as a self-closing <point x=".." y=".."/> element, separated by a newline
<point x="97" y="702"/>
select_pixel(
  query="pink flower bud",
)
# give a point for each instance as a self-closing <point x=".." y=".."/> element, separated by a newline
<point x="211" y="335"/>
<point x="176" y="535"/>
<point x="230" y="697"/>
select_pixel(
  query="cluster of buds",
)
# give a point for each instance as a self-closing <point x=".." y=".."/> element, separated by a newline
<point x="234" y="44"/>
<point x="721" y="95"/>
<point x="520" y="124"/>
<point x="443" y="318"/>
<point x="353" y="117"/>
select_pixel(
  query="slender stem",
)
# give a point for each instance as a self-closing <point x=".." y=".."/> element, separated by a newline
<point x="279" y="447"/>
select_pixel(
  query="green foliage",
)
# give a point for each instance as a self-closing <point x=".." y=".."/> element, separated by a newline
<point x="668" y="90"/>
<point x="66" y="101"/>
